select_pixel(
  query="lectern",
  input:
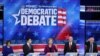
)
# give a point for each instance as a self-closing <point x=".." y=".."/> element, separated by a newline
<point x="91" y="54"/>
<point x="71" y="54"/>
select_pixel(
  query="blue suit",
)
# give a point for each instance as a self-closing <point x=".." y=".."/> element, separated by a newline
<point x="7" y="51"/>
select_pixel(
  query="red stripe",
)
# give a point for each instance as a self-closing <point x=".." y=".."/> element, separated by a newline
<point x="61" y="19"/>
<point x="61" y="9"/>
<point x="61" y="24"/>
<point x="98" y="48"/>
<point x="42" y="47"/>
<point x="61" y="14"/>
<point x="0" y="49"/>
<point x="39" y="46"/>
<point x="17" y="47"/>
<point x="64" y="14"/>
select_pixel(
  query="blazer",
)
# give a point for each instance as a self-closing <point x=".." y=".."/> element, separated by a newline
<point x="50" y="49"/>
<point x="6" y="51"/>
<point x="68" y="49"/>
<point x="87" y="47"/>
<point x="27" y="49"/>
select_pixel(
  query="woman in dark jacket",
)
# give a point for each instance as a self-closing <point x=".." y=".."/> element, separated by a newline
<point x="7" y="49"/>
<point x="50" y="47"/>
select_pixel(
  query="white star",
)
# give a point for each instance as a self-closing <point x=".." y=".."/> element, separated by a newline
<point x="5" y="28"/>
<point x="16" y="18"/>
<point x="9" y="20"/>
<point x="35" y="33"/>
<point x="45" y="1"/>
<point x="28" y="1"/>
<point x="19" y="34"/>
<point x="28" y="29"/>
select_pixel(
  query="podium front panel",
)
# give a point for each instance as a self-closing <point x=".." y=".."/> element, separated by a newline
<point x="71" y="54"/>
<point x="91" y="54"/>
<point x="15" y="54"/>
<point x="33" y="54"/>
<point x="52" y="54"/>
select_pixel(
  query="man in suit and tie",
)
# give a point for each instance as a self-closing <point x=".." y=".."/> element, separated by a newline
<point x="28" y="48"/>
<point x="90" y="45"/>
<point x="70" y="46"/>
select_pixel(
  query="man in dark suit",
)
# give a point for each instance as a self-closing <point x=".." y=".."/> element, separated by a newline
<point x="90" y="45"/>
<point x="28" y="48"/>
<point x="70" y="46"/>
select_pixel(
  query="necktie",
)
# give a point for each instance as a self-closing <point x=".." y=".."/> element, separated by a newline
<point x="70" y="45"/>
<point x="91" y="48"/>
<point x="29" y="46"/>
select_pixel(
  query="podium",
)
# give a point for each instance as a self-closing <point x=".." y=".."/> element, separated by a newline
<point x="33" y="54"/>
<point x="15" y="54"/>
<point x="52" y="54"/>
<point x="1" y="54"/>
<point x="91" y="54"/>
<point x="71" y="54"/>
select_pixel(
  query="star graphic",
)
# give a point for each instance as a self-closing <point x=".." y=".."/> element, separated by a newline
<point x="11" y="32"/>
<point x="35" y="33"/>
<point x="9" y="20"/>
<point x="28" y="29"/>
<point x="98" y="28"/>
<point x="19" y="34"/>
<point x="1" y="35"/>
<point x="16" y="18"/>
<point x="28" y="1"/>
<point x="5" y="28"/>
<point x="48" y="31"/>
<point x="88" y="33"/>
<point x="11" y="0"/>
<point x="45" y="1"/>
<point x="41" y="27"/>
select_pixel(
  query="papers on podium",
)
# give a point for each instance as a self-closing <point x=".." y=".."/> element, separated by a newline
<point x="91" y="54"/>
<point x="33" y="54"/>
<point x="52" y="54"/>
<point x="71" y="54"/>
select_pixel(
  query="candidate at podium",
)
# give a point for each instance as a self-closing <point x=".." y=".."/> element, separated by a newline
<point x="50" y="47"/>
<point x="70" y="46"/>
<point x="7" y="49"/>
<point x="28" y="48"/>
<point x="90" y="45"/>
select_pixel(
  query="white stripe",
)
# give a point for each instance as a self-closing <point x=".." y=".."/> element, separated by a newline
<point x="92" y="10"/>
<point x="98" y="45"/>
<point x="36" y="50"/>
<point x="62" y="12"/>
<point x="40" y="50"/>
<point x="62" y="17"/>
<point x="82" y="8"/>
<point x="59" y="11"/>
<point x="62" y="22"/>
<point x="18" y="50"/>
<point x="0" y="46"/>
